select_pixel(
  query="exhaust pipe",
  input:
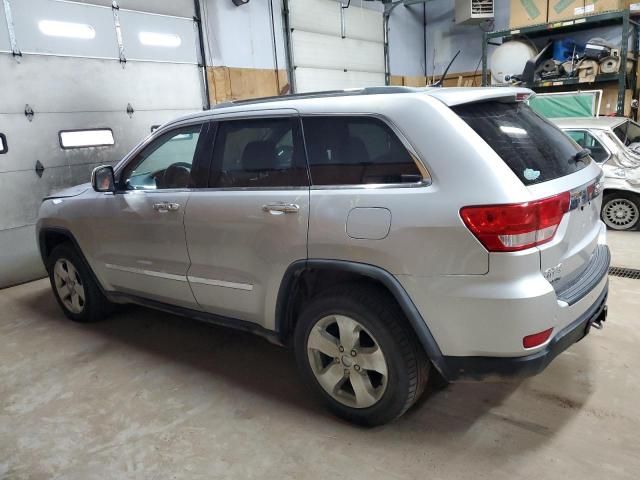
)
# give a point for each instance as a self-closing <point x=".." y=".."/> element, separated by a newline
<point x="598" y="322"/>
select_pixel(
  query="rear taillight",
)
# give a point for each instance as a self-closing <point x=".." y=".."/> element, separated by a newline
<point x="513" y="227"/>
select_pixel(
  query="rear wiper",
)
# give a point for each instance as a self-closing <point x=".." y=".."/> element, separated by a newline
<point x="585" y="152"/>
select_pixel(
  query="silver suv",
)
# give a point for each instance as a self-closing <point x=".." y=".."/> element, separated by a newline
<point x="384" y="234"/>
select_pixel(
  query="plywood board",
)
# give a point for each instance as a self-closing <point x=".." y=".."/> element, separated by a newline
<point x="227" y="83"/>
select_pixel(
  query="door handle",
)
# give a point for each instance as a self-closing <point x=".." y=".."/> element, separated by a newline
<point x="281" y="208"/>
<point x="166" y="206"/>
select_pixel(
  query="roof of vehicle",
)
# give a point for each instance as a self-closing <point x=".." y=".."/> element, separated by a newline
<point x="600" y="123"/>
<point x="359" y="99"/>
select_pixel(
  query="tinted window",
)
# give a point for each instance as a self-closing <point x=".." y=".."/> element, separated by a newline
<point x="258" y="153"/>
<point x="534" y="148"/>
<point x="165" y="163"/>
<point x="356" y="151"/>
<point x="4" y="148"/>
<point x="628" y="132"/>
<point x="586" y="140"/>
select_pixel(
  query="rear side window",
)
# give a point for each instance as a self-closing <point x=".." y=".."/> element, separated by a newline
<point x="586" y="140"/>
<point x="628" y="132"/>
<point x="535" y="149"/>
<point x="4" y="148"/>
<point x="356" y="151"/>
<point x="259" y="153"/>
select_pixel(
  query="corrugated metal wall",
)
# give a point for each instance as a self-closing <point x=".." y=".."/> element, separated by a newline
<point x="72" y="75"/>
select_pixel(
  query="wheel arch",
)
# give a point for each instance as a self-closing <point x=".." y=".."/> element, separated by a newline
<point x="293" y="283"/>
<point x="50" y="237"/>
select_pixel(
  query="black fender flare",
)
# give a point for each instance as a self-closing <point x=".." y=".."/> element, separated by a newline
<point x="394" y="287"/>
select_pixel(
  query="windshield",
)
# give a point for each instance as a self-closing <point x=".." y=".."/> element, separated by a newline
<point x="628" y="132"/>
<point x="533" y="148"/>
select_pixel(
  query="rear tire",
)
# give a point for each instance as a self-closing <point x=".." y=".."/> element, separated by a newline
<point x="355" y="350"/>
<point x="621" y="211"/>
<point x="74" y="286"/>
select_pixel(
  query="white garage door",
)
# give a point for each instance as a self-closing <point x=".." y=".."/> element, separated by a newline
<point x="77" y="71"/>
<point x="322" y="58"/>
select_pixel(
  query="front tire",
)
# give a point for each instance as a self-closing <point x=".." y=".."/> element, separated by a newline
<point x="621" y="211"/>
<point x="74" y="286"/>
<point x="355" y="350"/>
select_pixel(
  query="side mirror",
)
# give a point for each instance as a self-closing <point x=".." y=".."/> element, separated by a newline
<point x="103" y="179"/>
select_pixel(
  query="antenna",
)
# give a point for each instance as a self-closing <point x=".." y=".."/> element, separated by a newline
<point x="446" y="70"/>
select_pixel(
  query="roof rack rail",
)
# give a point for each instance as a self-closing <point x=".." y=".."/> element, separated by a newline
<point x="323" y="94"/>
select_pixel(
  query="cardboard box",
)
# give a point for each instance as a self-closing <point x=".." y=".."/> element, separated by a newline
<point x="599" y="6"/>
<point x="523" y="13"/>
<point x="609" y="102"/>
<point x="560" y="10"/>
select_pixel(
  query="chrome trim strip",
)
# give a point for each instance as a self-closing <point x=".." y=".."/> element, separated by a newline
<point x="150" y="273"/>
<point x="220" y="283"/>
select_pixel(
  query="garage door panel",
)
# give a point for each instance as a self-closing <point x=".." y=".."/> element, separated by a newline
<point x="21" y="262"/>
<point x="88" y="19"/>
<point x="314" y="79"/>
<point x="22" y="193"/>
<point x="97" y="85"/>
<point x="363" y="24"/>
<point x="337" y="53"/>
<point x="316" y="16"/>
<point x="180" y="8"/>
<point x="158" y="38"/>
<point x="39" y="140"/>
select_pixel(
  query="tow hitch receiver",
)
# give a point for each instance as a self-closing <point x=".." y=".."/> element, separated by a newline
<point x="597" y="323"/>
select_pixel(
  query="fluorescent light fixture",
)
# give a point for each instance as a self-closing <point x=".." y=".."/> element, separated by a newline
<point x="86" y="138"/>
<point x="53" y="28"/>
<point x="154" y="39"/>
<point x="513" y="130"/>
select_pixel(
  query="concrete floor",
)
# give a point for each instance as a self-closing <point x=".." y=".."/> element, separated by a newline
<point x="150" y="395"/>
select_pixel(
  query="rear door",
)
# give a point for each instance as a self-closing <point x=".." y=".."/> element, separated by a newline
<point x="251" y="223"/>
<point x="544" y="159"/>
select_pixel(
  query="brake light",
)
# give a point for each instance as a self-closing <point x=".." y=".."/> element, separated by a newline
<point x="514" y="227"/>
<point x="536" y="339"/>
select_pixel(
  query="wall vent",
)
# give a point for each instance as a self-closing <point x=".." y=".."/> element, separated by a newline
<point x="473" y="11"/>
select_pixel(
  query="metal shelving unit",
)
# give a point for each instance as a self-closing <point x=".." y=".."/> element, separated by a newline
<point x="616" y="18"/>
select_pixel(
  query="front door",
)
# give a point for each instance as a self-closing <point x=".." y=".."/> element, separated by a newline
<point x="142" y="249"/>
<point x="251" y="223"/>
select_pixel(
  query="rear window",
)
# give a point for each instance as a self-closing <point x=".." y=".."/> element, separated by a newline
<point x="535" y="149"/>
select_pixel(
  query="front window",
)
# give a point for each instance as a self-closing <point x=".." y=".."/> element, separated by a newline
<point x="532" y="147"/>
<point x="165" y="163"/>
<point x="586" y="140"/>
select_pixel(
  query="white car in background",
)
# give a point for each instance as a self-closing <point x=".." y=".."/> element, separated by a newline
<point x="614" y="143"/>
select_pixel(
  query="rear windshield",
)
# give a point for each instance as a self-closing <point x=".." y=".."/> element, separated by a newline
<point x="535" y="149"/>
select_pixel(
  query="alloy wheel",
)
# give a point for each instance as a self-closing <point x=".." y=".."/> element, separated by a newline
<point x="347" y="361"/>
<point x="620" y="213"/>
<point x="69" y="286"/>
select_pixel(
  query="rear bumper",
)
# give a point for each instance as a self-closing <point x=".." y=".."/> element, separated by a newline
<point x="486" y="368"/>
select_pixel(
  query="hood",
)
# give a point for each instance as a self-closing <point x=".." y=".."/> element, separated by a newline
<point x="69" y="192"/>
